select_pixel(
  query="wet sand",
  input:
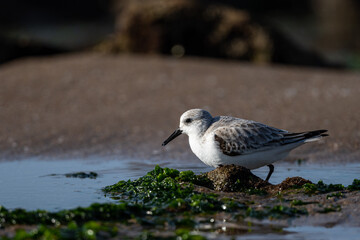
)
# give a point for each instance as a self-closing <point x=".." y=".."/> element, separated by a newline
<point x="89" y="104"/>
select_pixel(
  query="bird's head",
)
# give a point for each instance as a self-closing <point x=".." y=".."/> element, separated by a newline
<point x="192" y="122"/>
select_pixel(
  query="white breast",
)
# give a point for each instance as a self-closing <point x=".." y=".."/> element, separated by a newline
<point x="205" y="150"/>
<point x="196" y="146"/>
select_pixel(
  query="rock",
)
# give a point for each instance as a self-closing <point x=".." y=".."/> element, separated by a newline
<point x="181" y="27"/>
<point x="231" y="178"/>
<point x="92" y="175"/>
<point x="292" y="182"/>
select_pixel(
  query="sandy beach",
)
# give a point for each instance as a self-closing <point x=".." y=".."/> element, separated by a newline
<point x="91" y="104"/>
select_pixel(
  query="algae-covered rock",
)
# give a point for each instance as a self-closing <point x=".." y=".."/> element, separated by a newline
<point x="289" y="183"/>
<point x="292" y="182"/>
<point x="231" y="178"/>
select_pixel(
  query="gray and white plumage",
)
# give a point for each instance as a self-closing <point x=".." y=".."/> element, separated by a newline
<point x="228" y="140"/>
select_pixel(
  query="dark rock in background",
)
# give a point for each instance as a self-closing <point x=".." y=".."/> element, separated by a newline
<point x="194" y="28"/>
<point x="313" y="33"/>
<point x="288" y="32"/>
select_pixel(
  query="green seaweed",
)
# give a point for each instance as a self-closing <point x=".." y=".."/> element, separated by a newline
<point x="189" y="176"/>
<point x="239" y="187"/>
<point x="337" y="195"/>
<point x="355" y="185"/>
<point x="89" y="230"/>
<point x="95" y="212"/>
<point x="186" y="234"/>
<point x="332" y="208"/>
<point x="321" y="187"/>
<point x="296" y="202"/>
<point x="277" y="212"/>
<point x="256" y="191"/>
<point x="166" y="189"/>
<point x="300" y="161"/>
<point x="42" y="232"/>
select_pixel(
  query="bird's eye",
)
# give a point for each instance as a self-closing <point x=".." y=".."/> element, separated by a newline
<point x="188" y="120"/>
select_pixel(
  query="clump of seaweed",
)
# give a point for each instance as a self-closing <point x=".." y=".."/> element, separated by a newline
<point x="95" y="212"/>
<point x="321" y="187"/>
<point x="164" y="188"/>
<point x="355" y="185"/>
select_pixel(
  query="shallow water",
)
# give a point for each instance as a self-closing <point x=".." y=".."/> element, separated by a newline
<point x="309" y="232"/>
<point x="30" y="184"/>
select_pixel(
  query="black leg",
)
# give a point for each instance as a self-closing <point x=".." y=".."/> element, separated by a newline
<point x="271" y="170"/>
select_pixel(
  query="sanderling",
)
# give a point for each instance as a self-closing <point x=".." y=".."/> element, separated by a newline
<point x="225" y="140"/>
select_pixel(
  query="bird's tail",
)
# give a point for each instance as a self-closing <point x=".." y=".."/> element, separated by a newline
<point x="310" y="136"/>
<point x="315" y="135"/>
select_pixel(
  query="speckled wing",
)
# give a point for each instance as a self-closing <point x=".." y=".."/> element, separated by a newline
<point x="247" y="136"/>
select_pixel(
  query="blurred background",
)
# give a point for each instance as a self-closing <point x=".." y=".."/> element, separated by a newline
<point x="320" y="33"/>
<point x="114" y="76"/>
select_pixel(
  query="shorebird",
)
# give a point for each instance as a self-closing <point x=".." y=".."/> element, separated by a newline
<point x="225" y="140"/>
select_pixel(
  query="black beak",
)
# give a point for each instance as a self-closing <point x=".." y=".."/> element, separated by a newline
<point x="172" y="136"/>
